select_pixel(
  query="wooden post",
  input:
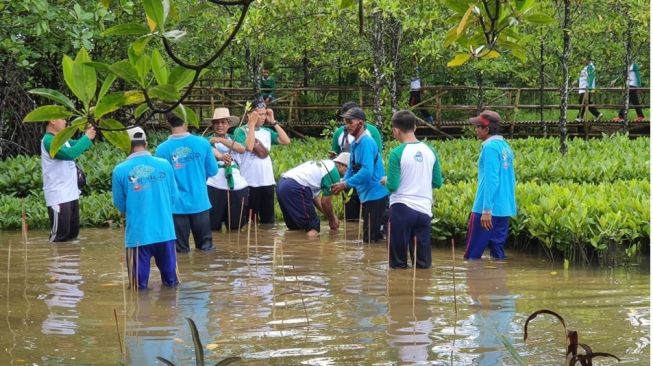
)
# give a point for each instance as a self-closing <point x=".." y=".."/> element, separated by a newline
<point x="438" y="108"/>
<point x="515" y="110"/>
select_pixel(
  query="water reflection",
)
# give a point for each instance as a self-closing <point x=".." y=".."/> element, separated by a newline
<point x="494" y="311"/>
<point x="409" y="316"/>
<point x="64" y="295"/>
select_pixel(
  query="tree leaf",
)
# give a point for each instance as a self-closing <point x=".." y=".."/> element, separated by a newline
<point x="143" y="66"/>
<point x="124" y="70"/>
<point x="451" y="37"/>
<point x="108" y="81"/>
<point x="60" y="139"/>
<point x="68" y="65"/>
<point x="140" y="110"/>
<point x="181" y="77"/>
<point x="47" y="113"/>
<point x="127" y="29"/>
<point x="155" y="12"/>
<point x="489" y="54"/>
<point x="159" y="68"/>
<point x="457" y="6"/>
<point x="174" y="35"/>
<point x="343" y="4"/>
<point x="138" y="46"/>
<point x="463" y="22"/>
<point x="99" y="66"/>
<point x="459" y="60"/>
<point x="114" y="101"/>
<point x="55" y="96"/>
<point x="84" y="77"/>
<point x="167" y="92"/>
<point x="190" y="116"/>
<point x="120" y="139"/>
<point x="539" y="18"/>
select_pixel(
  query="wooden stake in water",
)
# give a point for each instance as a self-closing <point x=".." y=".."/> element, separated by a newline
<point x="360" y="220"/>
<point x="240" y="218"/>
<point x="24" y="220"/>
<point x="249" y="227"/>
<point x="115" y="316"/>
<point x="453" y="275"/>
<point x="388" y="244"/>
<point x="414" y="262"/>
<point x="344" y="214"/>
<point x="229" y="211"/>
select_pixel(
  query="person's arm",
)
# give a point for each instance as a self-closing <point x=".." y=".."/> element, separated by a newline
<point x="279" y="136"/>
<point x="491" y="167"/>
<point x="247" y="139"/>
<point x="327" y="209"/>
<point x="367" y="152"/>
<point x="172" y="186"/>
<point x="394" y="168"/>
<point x="76" y="148"/>
<point x="436" y="178"/>
<point x="118" y="194"/>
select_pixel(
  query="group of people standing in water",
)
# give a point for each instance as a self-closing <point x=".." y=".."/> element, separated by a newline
<point x="196" y="184"/>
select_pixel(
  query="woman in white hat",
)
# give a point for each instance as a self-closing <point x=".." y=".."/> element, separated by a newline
<point x="228" y="191"/>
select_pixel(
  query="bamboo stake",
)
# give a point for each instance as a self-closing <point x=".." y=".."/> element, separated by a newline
<point x="388" y="244"/>
<point x="229" y="211"/>
<point x="240" y="218"/>
<point x="249" y="226"/>
<point x="344" y="214"/>
<point x="453" y="276"/>
<point x="414" y="263"/>
<point x="256" y="242"/>
<point x="24" y="220"/>
<point x="369" y="228"/>
<point x="115" y="316"/>
<point x="360" y="220"/>
<point x="301" y="295"/>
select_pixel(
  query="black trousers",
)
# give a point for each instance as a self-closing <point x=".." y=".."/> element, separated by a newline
<point x="415" y="98"/>
<point x="261" y="203"/>
<point x="590" y="106"/>
<point x="200" y="224"/>
<point x="65" y="223"/>
<point x="633" y="99"/>
<point x="374" y="216"/>
<point x="228" y="207"/>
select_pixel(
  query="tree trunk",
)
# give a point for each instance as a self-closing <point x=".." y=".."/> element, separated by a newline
<point x="378" y="50"/>
<point x="628" y="60"/>
<point x="396" y="35"/>
<point x="542" y="84"/>
<point x="564" y="89"/>
<point x="480" y="95"/>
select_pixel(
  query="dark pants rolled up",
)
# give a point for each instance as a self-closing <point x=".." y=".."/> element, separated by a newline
<point x="200" y="224"/>
<point x="64" y="224"/>
<point x="297" y="207"/>
<point x="228" y="207"/>
<point x="352" y="207"/>
<point x="406" y="227"/>
<point x="479" y="238"/>
<point x="590" y="106"/>
<point x="633" y="99"/>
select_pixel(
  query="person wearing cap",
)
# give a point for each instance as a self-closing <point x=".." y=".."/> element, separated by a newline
<point x="193" y="162"/>
<point x="60" y="180"/>
<point x="228" y="192"/>
<point x="299" y="193"/>
<point x="144" y="188"/>
<point x="495" y="201"/>
<point x="364" y="173"/>
<point x="262" y="131"/>
<point x="413" y="172"/>
<point x="341" y="142"/>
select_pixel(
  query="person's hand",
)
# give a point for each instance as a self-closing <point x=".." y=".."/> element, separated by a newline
<point x="486" y="220"/>
<point x="269" y="116"/>
<point x="90" y="132"/>
<point x="338" y="187"/>
<point x="214" y="140"/>
<point x="384" y="180"/>
<point x="252" y="119"/>
<point x="227" y="159"/>
<point x="334" y="224"/>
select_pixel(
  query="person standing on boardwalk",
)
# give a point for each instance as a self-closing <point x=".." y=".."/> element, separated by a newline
<point x="495" y="202"/>
<point x="341" y="142"/>
<point x="586" y="85"/>
<point x="364" y="173"/>
<point x="307" y="186"/>
<point x="193" y="163"/>
<point x="413" y="172"/>
<point x="144" y="188"/>
<point x="262" y="131"/>
<point x="634" y="81"/>
<point x="268" y="86"/>
<point x="60" y="180"/>
<point x="228" y="192"/>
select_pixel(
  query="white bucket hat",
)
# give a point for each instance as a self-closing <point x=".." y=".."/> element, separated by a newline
<point x="223" y="113"/>
<point x="343" y="159"/>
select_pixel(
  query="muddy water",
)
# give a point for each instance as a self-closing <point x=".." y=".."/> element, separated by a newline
<point x="286" y="300"/>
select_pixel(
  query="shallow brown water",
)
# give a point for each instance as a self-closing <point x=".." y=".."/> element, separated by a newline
<point x="292" y="301"/>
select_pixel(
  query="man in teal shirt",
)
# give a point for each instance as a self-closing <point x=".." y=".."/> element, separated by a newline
<point x="143" y="187"/>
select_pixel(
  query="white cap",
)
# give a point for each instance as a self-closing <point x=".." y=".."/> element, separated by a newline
<point x="136" y="134"/>
<point x="343" y="159"/>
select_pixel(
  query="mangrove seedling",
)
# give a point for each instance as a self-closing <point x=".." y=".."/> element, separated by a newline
<point x="572" y="342"/>
<point x="199" y="350"/>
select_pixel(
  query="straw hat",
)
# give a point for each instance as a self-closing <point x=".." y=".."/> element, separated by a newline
<point x="223" y="113"/>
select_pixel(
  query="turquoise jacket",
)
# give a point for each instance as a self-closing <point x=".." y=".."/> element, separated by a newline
<point x="144" y="188"/>
<point x="496" y="179"/>
<point x="367" y="180"/>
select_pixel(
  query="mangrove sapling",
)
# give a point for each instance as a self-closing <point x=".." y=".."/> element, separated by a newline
<point x="199" y="350"/>
<point x="572" y="342"/>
